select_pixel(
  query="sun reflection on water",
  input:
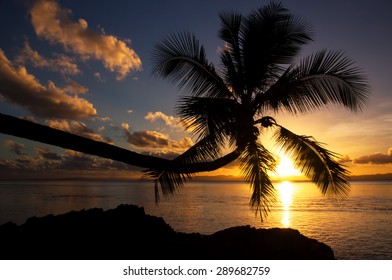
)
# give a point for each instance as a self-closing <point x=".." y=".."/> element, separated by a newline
<point x="285" y="194"/>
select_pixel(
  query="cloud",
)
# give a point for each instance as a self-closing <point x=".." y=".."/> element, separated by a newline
<point x="345" y="159"/>
<point x="19" y="87"/>
<point x="30" y="118"/>
<point x="378" y="158"/>
<point x="76" y="161"/>
<point x="98" y="76"/>
<point x="155" y="140"/>
<point x="46" y="153"/>
<point x="78" y="128"/>
<point x="104" y="119"/>
<point x="163" y="154"/>
<point x="150" y="139"/>
<point x="21" y="163"/>
<point x="48" y="164"/>
<point x="54" y="23"/>
<point x="60" y="63"/>
<point x="72" y="160"/>
<point x="74" y="88"/>
<point x="169" y="120"/>
<point x="14" y="147"/>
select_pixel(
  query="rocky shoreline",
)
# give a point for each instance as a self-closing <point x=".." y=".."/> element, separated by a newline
<point x="126" y="232"/>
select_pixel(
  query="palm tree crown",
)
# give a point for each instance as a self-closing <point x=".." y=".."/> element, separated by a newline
<point x="257" y="77"/>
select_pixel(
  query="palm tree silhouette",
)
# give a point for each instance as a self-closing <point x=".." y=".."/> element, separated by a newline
<point x="256" y="78"/>
<point x="229" y="107"/>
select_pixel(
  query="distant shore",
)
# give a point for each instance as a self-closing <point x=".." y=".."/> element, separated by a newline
<point x="218" y="178"/>
<point x="126" y="232"/>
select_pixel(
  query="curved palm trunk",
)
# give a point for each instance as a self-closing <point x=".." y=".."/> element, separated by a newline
<point x="44" y="134"/>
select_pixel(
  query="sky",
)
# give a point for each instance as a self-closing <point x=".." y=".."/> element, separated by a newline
<point x="85" y="67"/>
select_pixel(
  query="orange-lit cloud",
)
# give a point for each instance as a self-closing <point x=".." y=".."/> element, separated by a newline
<point x="23" y="162"/>
<point x="22" y="88"/>
<point x="345" y="159"/>
<point x="60" y="63"/>
<point x="103" y="119"/>
<point x="78" y="128"/>
<point x="14" y="147"/>
<point x="163" y="154"/>
<point x="74" y="87"/>
<point x="377" y="158"/>
<point x="169" y="120"/>
<point x="54" y="23"/>
<point x="155" y="140"/>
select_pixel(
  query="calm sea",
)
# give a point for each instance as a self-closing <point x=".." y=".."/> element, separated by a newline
<point x="359" y="227"/>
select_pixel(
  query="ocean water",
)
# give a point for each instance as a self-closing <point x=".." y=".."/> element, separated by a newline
<point x="359" y="227"/>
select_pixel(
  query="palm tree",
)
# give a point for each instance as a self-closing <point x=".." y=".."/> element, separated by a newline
<point x="230" y="106"/>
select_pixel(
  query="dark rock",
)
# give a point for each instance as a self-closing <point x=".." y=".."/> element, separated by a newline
<point x="126" y="232"/>
<point x="273" y="243"/>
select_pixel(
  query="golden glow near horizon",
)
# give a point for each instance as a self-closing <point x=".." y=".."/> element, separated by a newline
<point x="285" y="193"/>
<point x="286" y="168"/>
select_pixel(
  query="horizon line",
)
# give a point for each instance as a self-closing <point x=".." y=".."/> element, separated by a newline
<point x="212" y="178"/>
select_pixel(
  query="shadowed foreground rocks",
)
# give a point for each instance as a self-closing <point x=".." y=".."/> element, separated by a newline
<point x="126" y="232"/>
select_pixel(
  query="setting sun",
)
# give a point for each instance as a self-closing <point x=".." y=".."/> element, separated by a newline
<point x="286" y="168"/>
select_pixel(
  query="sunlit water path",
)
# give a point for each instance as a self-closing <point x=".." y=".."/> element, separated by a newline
<point x="357" y="228"/>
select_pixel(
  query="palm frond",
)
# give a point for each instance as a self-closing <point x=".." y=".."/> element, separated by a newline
<point x="177" y="172"/>
<point x="271" y="37"/>
<point x="182" y="59"/>
<point x="207" y="149"/>
<point x="230" y="29"/>
<point x="169" y="181"/>
<point x="255" y="163"/>
<point x="233" y="74"/>
<point x="213" y="117"/>
<point x="316" y="162"/>
<point x="331" y="76"/>
<point x="325" y="77"/>
<point x="231" y="56"/>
